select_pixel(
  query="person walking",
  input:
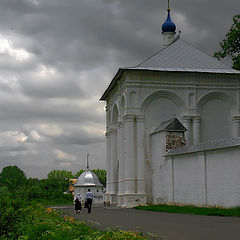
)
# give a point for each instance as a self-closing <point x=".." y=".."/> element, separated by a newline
<point x="88" y="199"/>
<point x="77" y="200"/>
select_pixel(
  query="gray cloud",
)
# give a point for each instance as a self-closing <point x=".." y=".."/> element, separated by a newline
<point x="57" y="58"/>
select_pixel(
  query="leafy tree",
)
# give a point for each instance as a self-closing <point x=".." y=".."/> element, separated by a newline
<point x="101" y="173"/>
<point x="60" y="174"/>
<point x="79" y="173"/>
<point x="4" y="191"/>
<point x="231" y="44"/>
<point x="13" y="178"/>
<point x="59" y="179"/>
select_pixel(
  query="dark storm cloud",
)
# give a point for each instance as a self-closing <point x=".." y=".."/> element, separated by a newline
<point x="57" y="57"/>
<point x="54" y="87"/>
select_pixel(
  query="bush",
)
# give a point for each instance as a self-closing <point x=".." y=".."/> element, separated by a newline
<point x="12" y="211"/>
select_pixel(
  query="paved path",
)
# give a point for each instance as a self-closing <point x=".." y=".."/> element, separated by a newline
<point x="172" y="226"/>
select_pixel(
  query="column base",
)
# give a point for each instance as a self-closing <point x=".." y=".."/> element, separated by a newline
<point x="131" y="199"/>
<point x="106" y="198"/>
<point x="113" y="198"/>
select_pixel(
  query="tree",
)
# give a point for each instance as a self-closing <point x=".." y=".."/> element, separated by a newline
<point x="79" y="173"/>
<point x="12" y="177"/>
<point x="59" y="179"/>
<point x="101" y="173"/>
<point x="231" y="44"/>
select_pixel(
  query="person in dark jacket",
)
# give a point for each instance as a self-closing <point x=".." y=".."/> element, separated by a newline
<point x="88" y="200"/>
<point x="77" y="200"/>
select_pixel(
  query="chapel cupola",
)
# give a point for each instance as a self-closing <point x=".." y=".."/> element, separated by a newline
<point x="168" y="29"/>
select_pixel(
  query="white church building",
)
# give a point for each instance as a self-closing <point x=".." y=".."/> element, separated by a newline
<point x="172" y="129"/>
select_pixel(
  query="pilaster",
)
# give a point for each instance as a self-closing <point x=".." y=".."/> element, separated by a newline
<point x="236" y="126"/>
<point x="134" y="165"/>
<point x="113" y="170"/>
<point x="121" y="159"/>
<point x="187" y="122"/>
<point x="140" y="155"/>
<point x="196" y="130"/>
<point x="129" y="181"/>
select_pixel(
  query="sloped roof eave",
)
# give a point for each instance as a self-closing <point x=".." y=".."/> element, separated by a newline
<point x="112" y="83"/>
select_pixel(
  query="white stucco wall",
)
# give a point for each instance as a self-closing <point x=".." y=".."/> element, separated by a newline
<point x="223" y="177"/>
<point x="97" y="193"/>
<point x="159" y="168"/>
<point x="210" y="178"/>
<point x="188" y="173"/>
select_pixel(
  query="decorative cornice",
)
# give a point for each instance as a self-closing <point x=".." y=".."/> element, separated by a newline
<point x="236" y="118"/>
<point x="187" y="117"/>
<point x="112" y="131"/>
<point x="128" y="118"/>
<point x="196" y="119"/>
<point x="120" y="124"/>
<point x="182" y="78"/>
<point x="140" y="118"/>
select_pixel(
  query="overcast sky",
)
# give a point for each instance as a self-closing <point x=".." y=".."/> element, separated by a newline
<point x="57" y="57"/>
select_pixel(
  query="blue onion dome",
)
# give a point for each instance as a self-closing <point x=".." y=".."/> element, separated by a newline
<point x="168" y="25"/>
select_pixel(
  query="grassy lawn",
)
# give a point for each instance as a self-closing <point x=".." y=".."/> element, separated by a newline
<point x="193" y="210"/>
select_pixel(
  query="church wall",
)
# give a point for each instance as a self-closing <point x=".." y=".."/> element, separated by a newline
<point x="209" y="178"/>
<point x="156" y="97"/>
<point x="188" y="174"/>
<point x="160" y="191"/>
<point x="223" y="177"/>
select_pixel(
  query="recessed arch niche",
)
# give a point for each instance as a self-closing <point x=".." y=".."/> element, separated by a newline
<point x="161" y="106"/>
<point x="216" y="116"/>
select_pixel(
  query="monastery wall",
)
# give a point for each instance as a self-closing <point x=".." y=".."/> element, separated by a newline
<point x="207" y="178"/>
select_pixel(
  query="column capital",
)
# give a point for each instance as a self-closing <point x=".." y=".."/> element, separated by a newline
<point x="187" y="118"/>
<point x="120" y="124"/>
<point x="128" y="118"/>
<point x="140" y="118"/>
<point x="236" y="118"/>
<point x="112" y="131"/>
<point x="107" y="134"/>
<point x="196" y="119"/>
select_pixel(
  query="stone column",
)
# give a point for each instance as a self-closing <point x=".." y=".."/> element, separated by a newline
<point x="129" y="181"/>
<point x="187" y="122"/>
<point x="108" y="153"/>
<point x="196" y="130"/>
<point x="140" y="156"/>
<point x="113" y="174"/>
<point x="236" y="126"/>
<point x="120" y="158"/>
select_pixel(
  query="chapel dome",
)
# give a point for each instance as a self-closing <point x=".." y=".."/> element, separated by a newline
<point x="88" y="178"/>
<point x="168" y="25"/>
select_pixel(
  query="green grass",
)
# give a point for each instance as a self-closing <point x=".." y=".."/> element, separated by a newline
<point x="211" y="211"/>
<point x="42" y="223"/>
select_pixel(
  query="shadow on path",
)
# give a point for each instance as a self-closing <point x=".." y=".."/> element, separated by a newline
<point x="172" y="226"/>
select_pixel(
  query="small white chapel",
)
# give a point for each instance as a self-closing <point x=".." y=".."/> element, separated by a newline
<point x="172" y="129"/>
